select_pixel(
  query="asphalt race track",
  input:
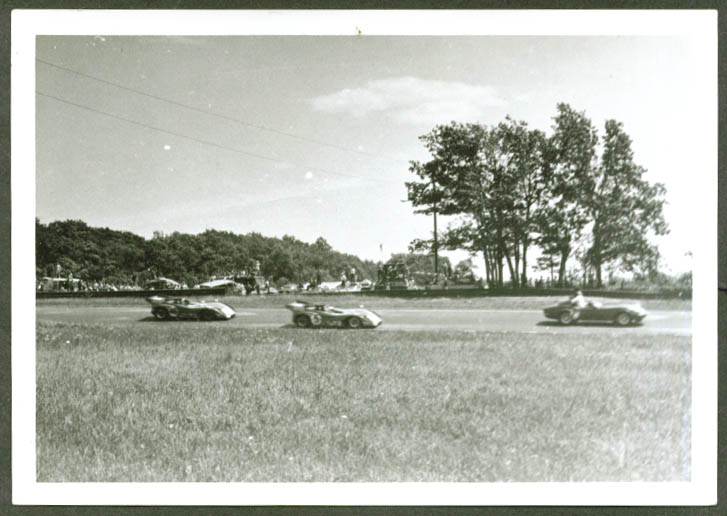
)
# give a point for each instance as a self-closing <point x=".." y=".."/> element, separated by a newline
<point x="513" y="321"/>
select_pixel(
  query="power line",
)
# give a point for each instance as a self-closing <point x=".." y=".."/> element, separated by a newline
<point x="218" y="115"/>
<point x="207" y="142"/>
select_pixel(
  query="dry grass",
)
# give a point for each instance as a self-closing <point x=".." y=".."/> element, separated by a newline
<point x="198" y="402"/>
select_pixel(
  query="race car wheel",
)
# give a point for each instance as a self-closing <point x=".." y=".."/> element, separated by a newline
<point x="354" y="323"/>
<point x="315" y="320"/>
<point x="566" y="318"/>
<point x="302" y="321"/>
<point x="623" y="319"/>
<point x="161" y="314"/>
<point x="206" y="316"/>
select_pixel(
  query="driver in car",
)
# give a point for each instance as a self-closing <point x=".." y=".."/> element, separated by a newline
<point x="578" y="301"/>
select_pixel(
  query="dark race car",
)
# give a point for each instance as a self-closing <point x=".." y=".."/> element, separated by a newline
<point x="164" y="308"/>
<point x="306" y="315"/>
<point x="618" y="313"/>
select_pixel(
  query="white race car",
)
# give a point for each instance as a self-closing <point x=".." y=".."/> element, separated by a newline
<point x="307" y="315"/>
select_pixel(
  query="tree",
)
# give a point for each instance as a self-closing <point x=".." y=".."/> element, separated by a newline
<point x="102" y="253"/>
<point x="279" y="263"/>
<point x="571" y="156"/>
<point x="465" y="177"/>
<point x="321" y="246"/>
<point x="547" y="262"/>
<point x="454" y="149"/>
<point x="527" y="176"/>
<point x="624" y="208"/>
<point x="464" y="270"/>
<point x="495" y="179"/>
<point x="417" y="262"/>
<point x="510" y="187"/>
<point x="421" y="266"/>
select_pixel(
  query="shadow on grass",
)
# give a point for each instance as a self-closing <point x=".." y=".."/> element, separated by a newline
<point x="321" y="328"/>
<point x="287" y="326"/>
<point x="153" y="319"/>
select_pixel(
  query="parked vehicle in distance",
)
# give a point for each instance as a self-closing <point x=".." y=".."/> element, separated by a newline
<point x="230" y="286"/>
<point x="161" y="284"/>
<point x="307" y="315"/>
<point x="164" y="308"/>
<point x="329" y="286"/>
<point x="621" y="314"/>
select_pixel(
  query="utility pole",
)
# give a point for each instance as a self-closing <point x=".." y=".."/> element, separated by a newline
<point x="435" y="246"/>
<point x="435" y="243"/>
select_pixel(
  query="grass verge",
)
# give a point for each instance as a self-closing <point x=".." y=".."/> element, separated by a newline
<point x="199" y="402"/>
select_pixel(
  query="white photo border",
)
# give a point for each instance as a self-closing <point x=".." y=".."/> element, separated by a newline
<point x="27" y="24"/>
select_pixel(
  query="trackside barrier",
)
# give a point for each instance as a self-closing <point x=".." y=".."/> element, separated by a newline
<point x="134" y="293"/>
<point x="513" y="292"/>
<point x="413" y="293"/>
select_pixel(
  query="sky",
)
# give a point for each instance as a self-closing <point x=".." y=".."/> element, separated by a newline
<point x="311" y="136"/>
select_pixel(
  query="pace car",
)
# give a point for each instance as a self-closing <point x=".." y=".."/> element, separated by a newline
<point x="164" y="308"/>
<point x="621" y="314"/>
<point x="307" y="315"/>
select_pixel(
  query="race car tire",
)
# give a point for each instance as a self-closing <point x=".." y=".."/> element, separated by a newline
<point x="315" y="320"/>
<point x="302" y="321"/>
<point x="353" y="322"/>
<point x="623" y="319"/>
<point x="206" y="316"/>
<point x="162" y="314"/>
<point x="566" y="318"/>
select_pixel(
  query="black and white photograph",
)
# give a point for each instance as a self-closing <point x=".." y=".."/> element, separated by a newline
<point x="280" y="257"/>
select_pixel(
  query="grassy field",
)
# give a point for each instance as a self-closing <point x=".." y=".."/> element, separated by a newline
<point x="373" y="302"/>
<point x="198" y="402"/>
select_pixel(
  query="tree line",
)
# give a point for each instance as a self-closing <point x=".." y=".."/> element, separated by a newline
<point x="570" y="194"/>
<point x="102" y="254"/>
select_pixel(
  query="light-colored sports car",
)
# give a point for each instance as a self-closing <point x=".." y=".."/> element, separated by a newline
<point x="619" y="313"/>
<point x="164" y="308"/>
<point x="307" y="315"/>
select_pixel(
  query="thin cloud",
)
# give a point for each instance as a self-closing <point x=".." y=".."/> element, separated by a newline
<point x="410" y="100"/>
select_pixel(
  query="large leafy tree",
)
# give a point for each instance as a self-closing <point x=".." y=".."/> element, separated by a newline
<point x="624" y="208"/>
<point x="443" y="181"/>
<point x="526" y="179"/>
<point x="495" y="180"/>
<point x="511" y="188"/>
<point x="571" y="156"/>
<point x="463" y="178"/>
<point x="442" y="185"/>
